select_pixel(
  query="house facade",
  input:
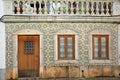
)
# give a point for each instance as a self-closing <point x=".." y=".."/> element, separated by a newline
<point x="57" y="39"/>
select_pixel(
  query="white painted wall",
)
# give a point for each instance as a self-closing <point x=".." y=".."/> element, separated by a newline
<point x="2" y="39"/>
<point x="116" y="8"/>
<point x="7" y="7"/>
<point x="1" y="8"/>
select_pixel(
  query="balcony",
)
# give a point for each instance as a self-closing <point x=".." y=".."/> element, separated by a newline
<point x="90" y="11"/>
<point x="66" y="7"/>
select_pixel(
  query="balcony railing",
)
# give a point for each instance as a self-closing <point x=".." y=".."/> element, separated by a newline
<point x="95" y="8"/>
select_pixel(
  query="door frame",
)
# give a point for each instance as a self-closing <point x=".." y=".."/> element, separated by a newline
<point x="15" y="48"/>
<point x="28" y="54"/>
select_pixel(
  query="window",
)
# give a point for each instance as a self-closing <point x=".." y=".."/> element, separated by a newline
<point x="100" y="46"/>
<point x="66" y="47"/>
<point x="28" y="47"/>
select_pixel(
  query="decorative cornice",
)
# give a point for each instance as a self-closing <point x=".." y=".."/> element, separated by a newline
<point x="60" y="18"/>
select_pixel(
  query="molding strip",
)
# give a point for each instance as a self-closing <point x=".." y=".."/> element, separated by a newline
<point x="59" y="19"/>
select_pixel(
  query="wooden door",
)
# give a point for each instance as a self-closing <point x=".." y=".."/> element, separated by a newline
<point x="28" y="55"/>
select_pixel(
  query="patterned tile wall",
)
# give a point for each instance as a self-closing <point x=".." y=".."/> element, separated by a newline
<point x="119" y="44"/>
<point x="49" y="29"/>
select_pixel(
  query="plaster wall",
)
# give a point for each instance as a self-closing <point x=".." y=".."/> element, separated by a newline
<point x="116" y="8"/>
<point x="2" y="45"/>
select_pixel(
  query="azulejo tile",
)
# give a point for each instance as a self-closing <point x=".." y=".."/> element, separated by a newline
<point x="49" y="29"/>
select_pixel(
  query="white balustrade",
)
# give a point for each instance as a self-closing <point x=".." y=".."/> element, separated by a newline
<point x="81" y="7"/>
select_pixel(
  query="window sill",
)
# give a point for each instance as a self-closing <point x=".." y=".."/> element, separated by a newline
<point x="66" y="61"/>
<point x="100" y="61"/>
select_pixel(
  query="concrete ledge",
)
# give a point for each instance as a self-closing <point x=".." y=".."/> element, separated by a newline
<point x="59" y="19"/>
